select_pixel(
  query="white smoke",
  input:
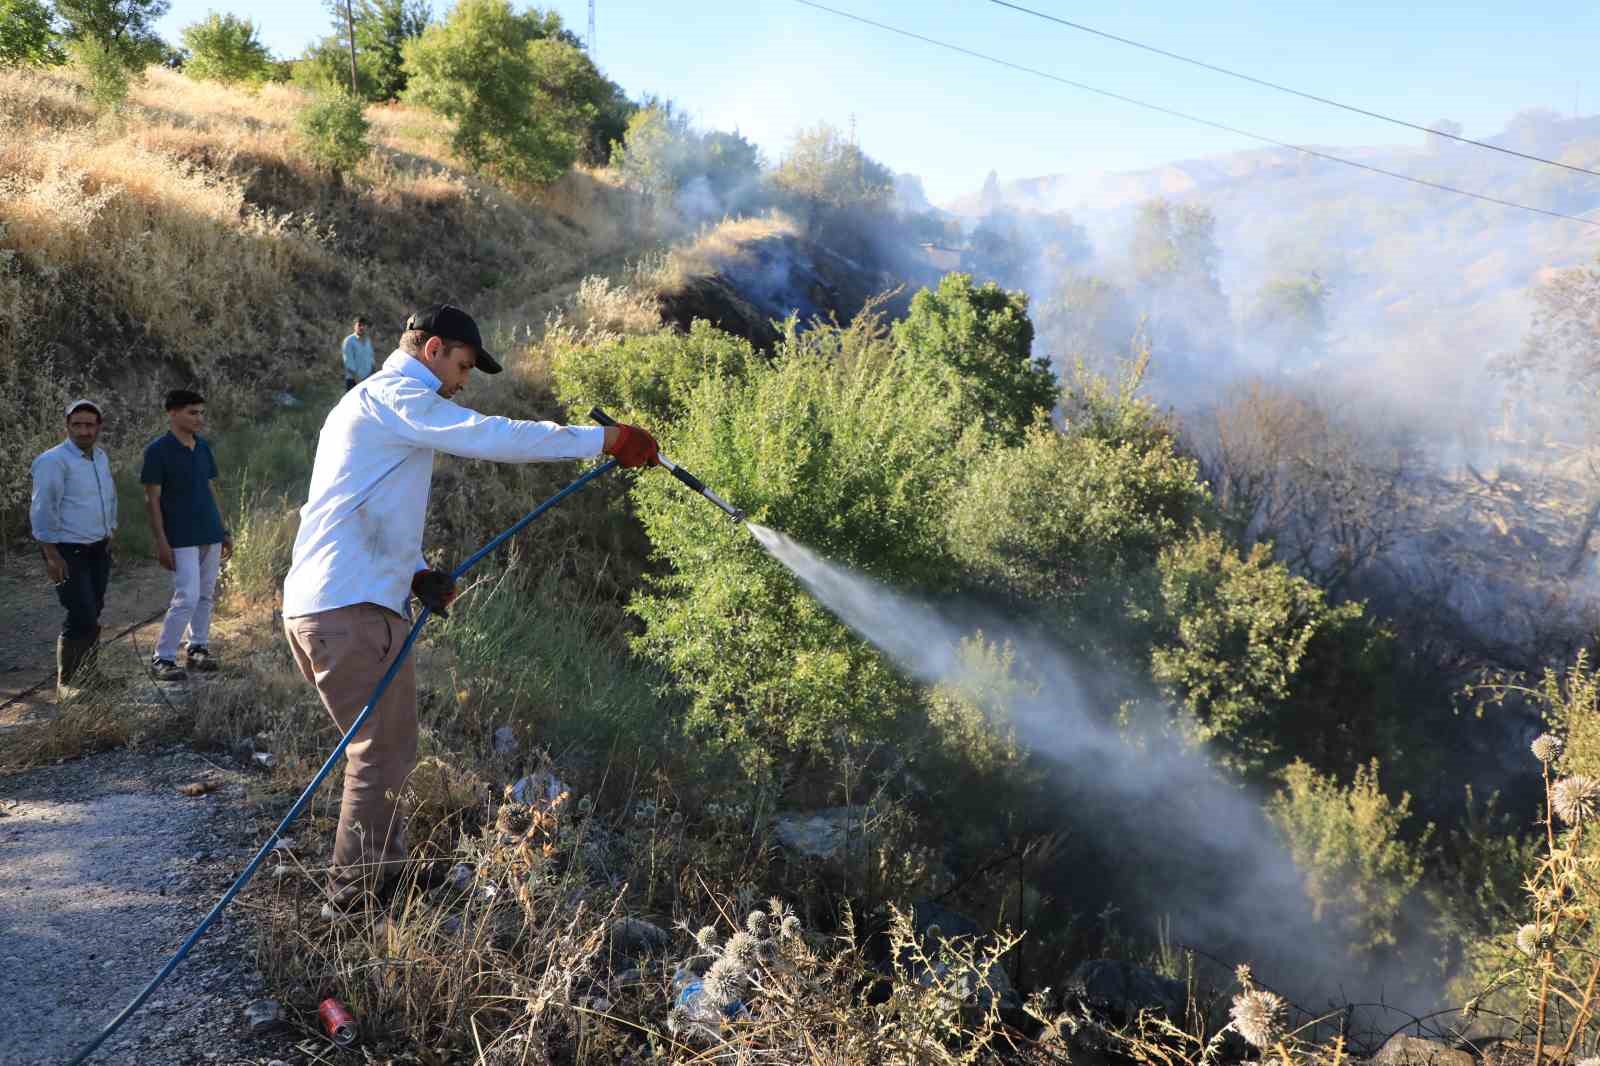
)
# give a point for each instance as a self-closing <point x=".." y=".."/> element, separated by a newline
<point x="1158" y="804"/>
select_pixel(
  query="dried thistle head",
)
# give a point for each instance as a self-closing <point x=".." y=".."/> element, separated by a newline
<point x="758" y="925"/>
<point x="514" y="818"/>
<point x="1259" y="1016"/>
<point x="741" y="949"/>
<point x="1533" y="939"/>
<point x="1244" y="976"/>
<point x="1575" y="798"/>
<point x="1546" y="748"/>
<point x="790" y="926"/>
<point x="706" y="938"/>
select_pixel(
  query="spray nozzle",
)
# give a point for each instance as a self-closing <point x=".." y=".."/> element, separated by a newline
<point x="680" y="473"/>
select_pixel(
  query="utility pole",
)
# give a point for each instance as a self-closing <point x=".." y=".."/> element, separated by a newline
<point x="591" y="29"/>
<point x="350" y="24"/>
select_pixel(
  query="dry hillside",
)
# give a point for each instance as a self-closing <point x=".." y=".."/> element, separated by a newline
<point x="191" y="241"/>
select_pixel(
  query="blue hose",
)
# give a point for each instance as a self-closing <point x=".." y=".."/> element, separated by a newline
<point x="327" y="767"/>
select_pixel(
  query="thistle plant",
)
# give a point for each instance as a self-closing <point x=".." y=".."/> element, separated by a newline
<point x="1575" y="798"/>
<point x="1259" y="1016"/>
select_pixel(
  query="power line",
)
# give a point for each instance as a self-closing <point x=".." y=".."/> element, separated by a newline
<point x="1190" y="118"/>
<point x="1292" y="92"/>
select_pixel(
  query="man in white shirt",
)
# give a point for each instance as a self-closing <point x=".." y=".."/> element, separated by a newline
<point x="73" y="514"/>
<point x="358" y="558"/>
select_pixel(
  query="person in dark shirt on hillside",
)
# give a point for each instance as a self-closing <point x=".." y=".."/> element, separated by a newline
<point x="180" y="498"/>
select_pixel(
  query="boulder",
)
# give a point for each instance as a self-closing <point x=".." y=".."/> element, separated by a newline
<point x="1401" y="1050"/>
<point x="1121" y="990"/>
<point x="635" y="937"/>
<point x="821" y="834"/>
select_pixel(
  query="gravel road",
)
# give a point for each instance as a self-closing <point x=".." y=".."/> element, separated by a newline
<point x="104" y="869"/>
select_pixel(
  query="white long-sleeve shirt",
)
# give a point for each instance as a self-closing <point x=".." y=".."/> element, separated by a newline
<point x="74" y="498"/>
<point x="360" y="538"/>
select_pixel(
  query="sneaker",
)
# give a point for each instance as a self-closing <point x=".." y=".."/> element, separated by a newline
<point x="199" y="658"/>
<point x="167" y="670"/>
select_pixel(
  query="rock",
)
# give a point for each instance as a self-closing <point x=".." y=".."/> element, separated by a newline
<point x="820" y="834"/>
<point x="264" y="758"/>
<point x="263" y="1016"/>
<point x="1121" y="990"/>
<point x="460" y="876"/>
<point x="1415" y="1051"/>
<point x="505" y="741"/>
<point x="539" y="789"/>
<point x="633" y="937"/>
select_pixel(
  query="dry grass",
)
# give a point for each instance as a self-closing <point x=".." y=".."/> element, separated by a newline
<point x="714" y="247"/>
<point x="190" y="241"/>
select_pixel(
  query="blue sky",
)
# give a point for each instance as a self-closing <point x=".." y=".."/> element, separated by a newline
<point x="768" y="67"/>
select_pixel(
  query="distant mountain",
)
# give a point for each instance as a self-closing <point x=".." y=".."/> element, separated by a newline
<point x="1421" y="278"/>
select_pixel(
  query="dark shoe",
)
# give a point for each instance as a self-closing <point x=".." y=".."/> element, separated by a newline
<point x="199" y="658"/>
<point x="167" y="670"/>
<point x="70" y="655"/>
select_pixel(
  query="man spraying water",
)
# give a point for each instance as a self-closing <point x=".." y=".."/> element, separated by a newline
<point x="358" y="559"/>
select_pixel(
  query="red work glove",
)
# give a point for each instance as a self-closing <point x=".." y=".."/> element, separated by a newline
<point x="434" y="589"/>
<point x="634" y="447"/>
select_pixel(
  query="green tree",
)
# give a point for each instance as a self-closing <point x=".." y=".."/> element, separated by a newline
<point x="1291" y="315"/>
<point x="523" y="106"/>
<point x="124" y="29"/>
<point x="334" y="129"/>
<point x="824" y="171"/>
<point x="1349" y="843"/>
<point x="662" y="153"/>
<point x="225" y="48"/>
<point x="28" y="35"/>
<point x="982" y="335"/>
<point x="1175" y="259"/>
<point x="843" y="444"/>
<point x="657" y="150"/>
<point x="382" y="29"/>
<point x="1069" y="514"/>
<point x="1264" y="666"/>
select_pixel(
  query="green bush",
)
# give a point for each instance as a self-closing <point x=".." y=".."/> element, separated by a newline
<point x="982" y="334"/>
<point x="225" y="48"/>
<point x="649" y="378"/>
<point x="1265" y="667"/>
<point x="27" y="35"/>
<point x="112" y="41"/>
<point x="105" y="70"/>
<point x="843" y="445"/>
<point x="334" y="129"/>
<point x="523" y="103"/>
<point x="1347" y="840"/>
<point x="662" y="152"/>
<point x="1064" y="513"/>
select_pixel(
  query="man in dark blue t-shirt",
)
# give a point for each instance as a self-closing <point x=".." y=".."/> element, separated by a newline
<point x="180" y="498"/>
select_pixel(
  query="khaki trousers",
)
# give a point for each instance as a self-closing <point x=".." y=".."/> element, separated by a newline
<point x="344" y="653"/>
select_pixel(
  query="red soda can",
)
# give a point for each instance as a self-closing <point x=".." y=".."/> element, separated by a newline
<point x="337" y="1022"/>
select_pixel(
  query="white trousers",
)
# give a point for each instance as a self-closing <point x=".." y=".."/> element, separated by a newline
<point x="193" y="595"/>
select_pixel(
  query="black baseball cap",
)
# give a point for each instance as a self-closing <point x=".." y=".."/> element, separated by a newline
<point x="454" y="324"/>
